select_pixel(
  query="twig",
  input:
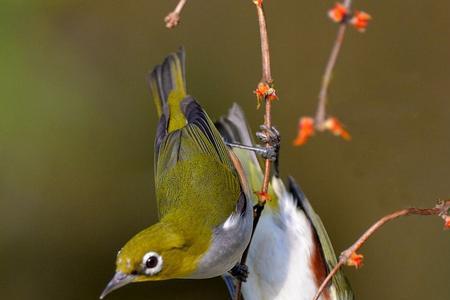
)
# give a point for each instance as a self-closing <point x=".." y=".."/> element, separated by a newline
<point x="441" y="210"/>
<point x="323" y="94"/>
<point x="265" y="53"/>
<point x="173" y="18"/>
<point x="267" y="81"/>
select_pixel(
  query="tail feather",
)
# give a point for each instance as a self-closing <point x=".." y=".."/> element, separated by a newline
<point x="341" y="285"/>
<point x="168" y="84"/>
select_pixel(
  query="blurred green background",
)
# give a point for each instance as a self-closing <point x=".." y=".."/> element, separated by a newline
<point x="77" y="129"/>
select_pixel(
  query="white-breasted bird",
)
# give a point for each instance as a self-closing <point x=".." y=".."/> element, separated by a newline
<point x="290" y="254"/>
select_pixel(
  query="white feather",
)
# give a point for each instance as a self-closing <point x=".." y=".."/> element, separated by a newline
<point x="279" y="258"/>
<point x="231" y="221"/>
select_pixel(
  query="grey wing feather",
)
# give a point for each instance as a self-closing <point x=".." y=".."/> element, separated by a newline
<point x="234" y="129"/>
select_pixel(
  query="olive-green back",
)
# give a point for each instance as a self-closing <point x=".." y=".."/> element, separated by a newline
<point x="194" y="176"/>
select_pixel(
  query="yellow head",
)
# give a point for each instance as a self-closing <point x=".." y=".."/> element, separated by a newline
<point x="156" y="253"/>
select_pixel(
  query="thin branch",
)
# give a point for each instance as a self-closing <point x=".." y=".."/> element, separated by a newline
<point x="440" y="210"/>
<point x="326" y="79"/>
<point x="173" y="18"/>
<point x="265" y="53"/>
<point x="266" y="80"/>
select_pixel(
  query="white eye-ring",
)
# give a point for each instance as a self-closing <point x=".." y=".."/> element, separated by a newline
<point x="152" y="263"/>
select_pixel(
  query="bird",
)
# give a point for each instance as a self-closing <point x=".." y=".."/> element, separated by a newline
<point x="290" y="253"/>
<point x="203" y="200"/>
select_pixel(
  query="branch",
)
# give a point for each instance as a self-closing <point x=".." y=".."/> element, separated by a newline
<point x="266" y="92"/>
<point x="266" y="81"/>
<point x="307" y="126"/>
<point x="350" y="257"/>
<point x="173" y="18"/>
<point x="323" y="94"/>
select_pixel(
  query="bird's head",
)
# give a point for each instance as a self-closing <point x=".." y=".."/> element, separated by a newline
<point x="156" y="253"/>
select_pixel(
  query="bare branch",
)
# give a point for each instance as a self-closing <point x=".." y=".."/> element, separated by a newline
<point x="265" y="53"/>
<point x="440" y="210"/>
<point x="173" y="18"/>
<point x="326" y="79"/>
<point x="323" y="94"/>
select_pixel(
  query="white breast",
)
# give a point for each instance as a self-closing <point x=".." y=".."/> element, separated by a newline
<point x="279" y="258"/>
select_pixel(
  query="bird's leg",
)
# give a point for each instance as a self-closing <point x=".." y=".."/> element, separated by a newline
<point x="240" y="272"/>
<point x="266" y="136"/>
<point x="270" y="136"/>
<point x="257" y="149"/>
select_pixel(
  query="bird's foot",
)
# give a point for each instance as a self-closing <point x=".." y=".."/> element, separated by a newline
<point x="271" y="150"/>
<point x="271" y="137"/>
<point x="240" y="272"/>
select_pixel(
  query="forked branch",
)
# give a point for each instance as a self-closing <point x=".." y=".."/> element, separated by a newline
<point x="341" y="14"/>
<point x="323" y="94"/>
<point x="350" y="256"/>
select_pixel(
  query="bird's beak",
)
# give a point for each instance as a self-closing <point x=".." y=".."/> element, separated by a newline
<point x="119" y="280"/>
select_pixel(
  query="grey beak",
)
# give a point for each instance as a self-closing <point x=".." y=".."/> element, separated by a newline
<point x="119" y="280"/>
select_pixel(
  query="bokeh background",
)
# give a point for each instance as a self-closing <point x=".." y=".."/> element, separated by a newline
<point x="77" y="128"/>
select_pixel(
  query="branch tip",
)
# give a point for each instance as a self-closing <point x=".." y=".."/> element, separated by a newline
<point x="173" y="18"/>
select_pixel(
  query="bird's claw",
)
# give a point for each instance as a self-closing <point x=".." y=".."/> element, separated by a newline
<point x="270" y="136"/>
<point x="240" y="272"/>
<point x="269" y="152"/>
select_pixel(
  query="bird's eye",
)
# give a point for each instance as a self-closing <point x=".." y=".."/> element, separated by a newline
<point x="152" y="263"/>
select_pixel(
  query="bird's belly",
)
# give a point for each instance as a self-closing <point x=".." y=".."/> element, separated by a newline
<point x="279" y="260"/>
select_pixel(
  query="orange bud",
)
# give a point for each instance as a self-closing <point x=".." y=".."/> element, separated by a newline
<point x="258" y="2"/>
<point x="360" y="20"/>
<point x="447" y="222"/>
<point x="263" y="196"/>
<point x="338" y="13"/>
<point x="264" y="91"/>
<point x="355" y="260"/>
<point x="305" y="131"/>
<point x="336" y="127"/>
<point x="271" y="94"/>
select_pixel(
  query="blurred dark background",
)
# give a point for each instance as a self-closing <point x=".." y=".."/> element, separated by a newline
<point x="77" y="128"/>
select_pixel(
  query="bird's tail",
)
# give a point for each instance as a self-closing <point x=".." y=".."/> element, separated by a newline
<point x="168" y="88"/>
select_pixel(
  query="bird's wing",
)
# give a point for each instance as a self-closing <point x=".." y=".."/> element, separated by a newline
<point x="179" y="113"/>
<point x="234" y="129"/>
<point x="340" y="284"/>
<point x="188" y="147"/>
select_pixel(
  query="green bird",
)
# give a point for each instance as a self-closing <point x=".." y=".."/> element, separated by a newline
<point x="203" y="200"/>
